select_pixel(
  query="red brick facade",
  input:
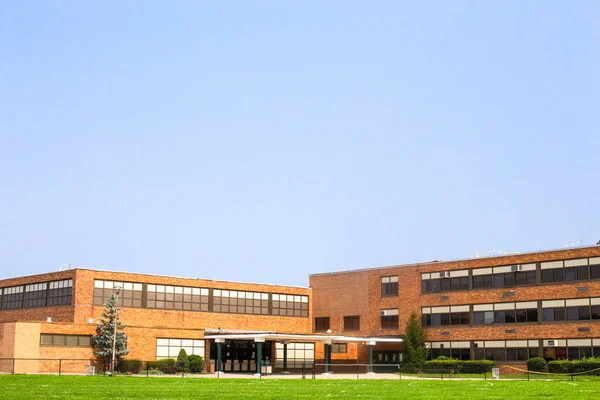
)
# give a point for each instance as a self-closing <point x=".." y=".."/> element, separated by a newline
<point x="340" y="294"/>
<point x="332" y="295"/>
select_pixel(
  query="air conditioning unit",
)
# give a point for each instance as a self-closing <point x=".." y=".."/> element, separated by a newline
<point x="445" y="274"/>
<point x="516" y="268"/>
<point x="386" y="313"/>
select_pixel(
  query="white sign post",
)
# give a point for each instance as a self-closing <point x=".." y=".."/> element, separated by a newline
<point x="496" y="373"/>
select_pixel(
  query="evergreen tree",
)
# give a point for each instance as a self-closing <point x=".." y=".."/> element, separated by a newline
<point x="183" y="361"/>
<point x="415" y="336"/>
<point x="103" y="340"/>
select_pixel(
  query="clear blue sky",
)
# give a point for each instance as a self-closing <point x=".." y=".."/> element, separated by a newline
<point x="262" y="141"/>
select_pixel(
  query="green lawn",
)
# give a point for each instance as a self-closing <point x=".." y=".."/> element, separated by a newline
<point x="81" y="387"/>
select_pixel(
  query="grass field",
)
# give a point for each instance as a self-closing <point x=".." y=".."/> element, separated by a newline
<point x="82" y="387"/>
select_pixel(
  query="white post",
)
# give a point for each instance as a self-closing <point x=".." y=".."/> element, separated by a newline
<point x="112" y="364"/>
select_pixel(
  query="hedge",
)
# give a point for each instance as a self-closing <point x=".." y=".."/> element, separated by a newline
<point x="576" y="366"/>
<point x="166" y="365"/>
<point x="459" y="366"/>
<point x="126" y="365"/>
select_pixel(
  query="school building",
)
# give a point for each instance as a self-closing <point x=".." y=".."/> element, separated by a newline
<point x="507" y="308"/>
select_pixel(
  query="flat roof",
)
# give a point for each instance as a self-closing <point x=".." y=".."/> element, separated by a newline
<point x="426" y="263"/>
<point x="301" y="338"/>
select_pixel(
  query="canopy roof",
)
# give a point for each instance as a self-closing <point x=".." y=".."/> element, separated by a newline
<point x="274" y="336"/>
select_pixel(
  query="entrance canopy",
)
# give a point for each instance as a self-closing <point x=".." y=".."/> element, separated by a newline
<point x="293" y="338"/>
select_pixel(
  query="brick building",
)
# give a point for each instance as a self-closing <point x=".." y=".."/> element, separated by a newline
<point x="506" y="308"/>
<point x="54" y="315"/>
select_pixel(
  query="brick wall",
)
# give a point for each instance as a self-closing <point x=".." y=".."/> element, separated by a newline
<point x="359" y="293"/>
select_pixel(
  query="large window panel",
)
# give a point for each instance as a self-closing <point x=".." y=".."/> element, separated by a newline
<point x="13" y="298"/>
<point x="35" y="295"/>
<point x="289" y="305"/>
<point x="170" y="347"/>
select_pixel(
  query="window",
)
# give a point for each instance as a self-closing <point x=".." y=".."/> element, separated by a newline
<point x="130" y="294"/>
<point x="298" y="353"/>
<point x="65" y="340"/>
<point x="339" y="348"/>
<point x="35" y="295"/>
<point x="177" y="298"/>
<point x="389" y="285"/>
<point x="483" y="281"/>
<point x="13" y="298"/>
<point x="580" y="273"/>
<point x="60" y="293"/>
<point x="389" y="319"/>
<point x="351" y="323"/>
<point x="595" y="268"/>
<point x="170" y="348"/>
<point x="232" y="301"/>
<point x="553" y="314"/>
<point x="483" y="318"/>
<point x="290" y="305"/>
<point x="321" y="324"/>
<point x="527" y="315"/>
<point x="553" y="271"/>
<point x="444" y="281"/>
<point x="578" y="313"/>
<point x="595" y="311"/>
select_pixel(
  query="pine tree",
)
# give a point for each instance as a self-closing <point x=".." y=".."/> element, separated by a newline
<point x="415" y="352"/>
<point x="103" y="340"/>
<point x="183" y="361"/>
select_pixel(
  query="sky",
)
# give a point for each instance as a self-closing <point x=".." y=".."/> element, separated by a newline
<point x="263" y="141"/>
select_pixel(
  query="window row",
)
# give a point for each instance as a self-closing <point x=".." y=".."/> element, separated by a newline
<point x="65" y="340"/>
<point x="507" y="313"/>
<point x="571" y="310"/>
<point x="582" y="269"/>
<point x="516" y="350"/>
<point x="201" y="299"/>
<point x="43" y="294"/>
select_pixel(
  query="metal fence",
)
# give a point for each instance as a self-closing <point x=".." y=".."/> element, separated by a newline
<point x="309" y="370"/>
<point x="56" y="366"/>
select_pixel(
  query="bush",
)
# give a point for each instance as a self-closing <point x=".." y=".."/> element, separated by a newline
<point x="154" y="371"/>
<point x="166" y="365"/>
<point x="537" y="364"/>
<point x="587" y="364"/>
<point x="477" y="366"/>
<point x="183" y="361"/>
<point x="129" y="366"/>
<point x="445" y="364"/>
<point x="560" y="367"/>
<point x="196" y="363"/>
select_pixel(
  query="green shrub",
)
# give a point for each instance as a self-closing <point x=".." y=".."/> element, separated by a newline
<point x="587" y="364"/>
<point x="537" y="364"/>
<point x="129" y="366"/>
<point x="166" y="365"/>
<point x="196" y="363"/>
<point x="476" y="366"/>
<point x="560" y="366"/>
<point x="446" y="365"/>
<point x="154" y="371"/>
